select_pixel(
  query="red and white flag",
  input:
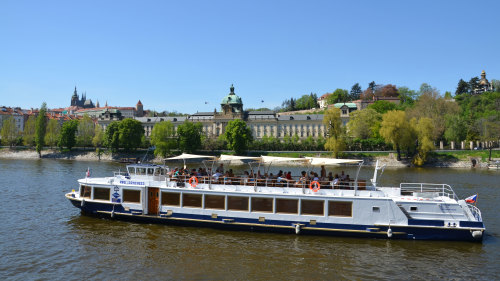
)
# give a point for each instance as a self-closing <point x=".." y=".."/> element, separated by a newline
<point x="87" y="175"/>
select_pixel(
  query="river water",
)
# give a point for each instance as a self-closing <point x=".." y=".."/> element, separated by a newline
<point x="42" y="236"/>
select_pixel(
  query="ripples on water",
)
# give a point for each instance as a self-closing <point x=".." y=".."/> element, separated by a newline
<point x="43" y="237"/>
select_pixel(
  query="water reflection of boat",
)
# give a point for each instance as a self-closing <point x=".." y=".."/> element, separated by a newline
<point x="299" y="205"/>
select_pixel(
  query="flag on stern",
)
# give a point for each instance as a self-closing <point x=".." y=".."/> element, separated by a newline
<point x="471" y="199"/>
<point x="87" y="174"/>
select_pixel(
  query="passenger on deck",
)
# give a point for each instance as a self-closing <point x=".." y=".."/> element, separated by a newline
<point x="220" y="169"/>
<point x="342" y="176"/>
<point x="323" y="172"/>
<point x="302" y="180"/>
<point x="335" y="182"/>
<point x="330" y="176"/>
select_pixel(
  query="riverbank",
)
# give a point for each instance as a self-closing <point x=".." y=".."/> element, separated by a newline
<point x="388" y="159"/>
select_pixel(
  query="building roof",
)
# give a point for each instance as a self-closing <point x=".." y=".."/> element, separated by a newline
<point x="159" y="119"/>
<point x="348" y="104"/>
<point x="300" y="117"/>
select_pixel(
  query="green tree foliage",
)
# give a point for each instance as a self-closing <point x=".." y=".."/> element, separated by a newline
<point x="67" y="138"/>
<point x="29" y="131"/>
<point x="396" y="129"/>
<point x="455" y="128"/>
<point x="355" y="93"/>
<point x="407" y="96"/>
<point x="40" y="128"/>
<point x="131" y="133"/>
<point x="189" y="136"/>
<point x="339" y="95"/>
<point x="430" y="104"/>
<point x="473" y="84"/>
<point x="462" y="88"/>
<point x="306" y="102"/>
<point x="382" y="106"/>
<point x="335" y="131"/>
<point x="424" y="129"/>
<point x="112" y="136"/>
<point x="363" y="123"/>
<point x="9" y="132"/>
<point x="85" y="132"/>
<point x="388" y="90"/>
<point x="98" y="139"/>
<point x="238" y="136"/>
<point x="288" y="105"/>
<point x="496" y="85"/>
<point x="163" y="138"/>
<point x="52" y="133"/>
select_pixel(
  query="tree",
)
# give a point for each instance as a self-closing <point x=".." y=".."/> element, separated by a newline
<point x="424" y="129"/>
<point x="29" y="131"/>
<point x="52" y="133"/>
<point x="67" y="137"/>
<point x="355" y="92"/>
<point x="85" y="132"/>
<point x="335" y="131"/>
<point x="306" y="102"/>
<point x="131" y="133"/>
<point x="462" y="87"/>
<point x="339" y="95"/>
<point x="489" y="130"/>
<point x="455" y="125"/>
<point x="382" y="106"/>
<point x="496" y="85"/>
<point x="112" y="136"/>
<point x="189" y="136"/>
<point x="40" y="128"/>
<point x="388" y="90"/>
<point x="238" y="136"/>
<point x="473" y="84"/>
<point x="362" y="123"/>
<point x="407" y="97"/>
<point x="9" y="132"/>
<point x="163" y="138"/>
<point x="395" y="129"/>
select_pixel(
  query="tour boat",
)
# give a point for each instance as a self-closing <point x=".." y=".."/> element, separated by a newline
<point x="318" y="206"/>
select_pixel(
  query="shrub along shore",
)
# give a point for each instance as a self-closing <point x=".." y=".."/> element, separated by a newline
<point x="454" y="159"/>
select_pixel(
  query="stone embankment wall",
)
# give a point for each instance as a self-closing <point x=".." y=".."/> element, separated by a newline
<point x="82" y="155"/>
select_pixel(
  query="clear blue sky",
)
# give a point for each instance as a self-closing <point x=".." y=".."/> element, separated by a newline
<point x="177" y="55"/>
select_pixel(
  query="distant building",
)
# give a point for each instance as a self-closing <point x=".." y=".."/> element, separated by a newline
<point x="484" y="85"/>
<point x="16" y="113"/>
<point x="323" y="100"/>
<point x="81" y="102"/>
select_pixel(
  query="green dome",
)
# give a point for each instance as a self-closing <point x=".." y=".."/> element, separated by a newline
<point x="232" y="98"/>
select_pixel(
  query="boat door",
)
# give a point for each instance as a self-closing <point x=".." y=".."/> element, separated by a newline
<point x="153" y="200"/>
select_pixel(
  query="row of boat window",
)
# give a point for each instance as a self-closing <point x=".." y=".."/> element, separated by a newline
<point x="233" y="203"/>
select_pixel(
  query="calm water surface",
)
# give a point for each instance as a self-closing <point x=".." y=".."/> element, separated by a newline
<point x="43" y="237"/>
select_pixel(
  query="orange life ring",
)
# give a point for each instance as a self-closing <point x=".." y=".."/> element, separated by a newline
<point x="317" y="186"/>
<point x="193" y="184"/>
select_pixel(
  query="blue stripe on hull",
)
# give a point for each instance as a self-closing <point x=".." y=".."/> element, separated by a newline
<point x="279" y="226"/>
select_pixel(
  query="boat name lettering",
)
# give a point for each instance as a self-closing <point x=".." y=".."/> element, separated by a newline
<point x="133" y="182"/>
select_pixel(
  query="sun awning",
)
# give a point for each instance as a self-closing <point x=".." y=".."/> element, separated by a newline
<point x="276" y="159"/>
<point x="185" y="156"/>
<point x="224" y="157"/>
<point x="317" y="161"/>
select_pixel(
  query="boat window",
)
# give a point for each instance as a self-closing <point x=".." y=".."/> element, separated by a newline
<point x="376" y="209"/>
<point x="341" y="209"/>
<point x="85" y="191"/>
<point x="215" y="202"/>
<point x="171" y="198"/>
<point x="131" y="170"/>
<point x="237" y="203"/>
<point x="131" y="196"/>
<point x="191" y="200"/>
<point x="287" y="206"/>
<point x="162" y="171"/>
<point x="260" y="204"/>
<point x="313" y="207"/>
<point x="413" y="208"/>
<point x="141" y="171"/>
<point x="101" y="193"/>
<point x="150" y="171"/>
<point x="157" y="171"/>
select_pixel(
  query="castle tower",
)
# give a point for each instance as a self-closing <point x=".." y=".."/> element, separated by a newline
<point x="139" y="112"/>
<point x="74" y="98"/>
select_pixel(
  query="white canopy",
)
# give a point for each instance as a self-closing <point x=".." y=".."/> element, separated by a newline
<point x="225" y="157"/>
<point x="185" y="156"/>
<point x="275" y="159"/>
<point x="317" y="161"/>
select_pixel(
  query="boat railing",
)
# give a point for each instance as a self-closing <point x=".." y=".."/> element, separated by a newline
<point x="427" y="188"/>
<point x="295" y="182"/>
<point x="475" y="212"/>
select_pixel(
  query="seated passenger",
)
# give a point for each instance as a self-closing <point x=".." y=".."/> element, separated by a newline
<point x="302" y="180"/>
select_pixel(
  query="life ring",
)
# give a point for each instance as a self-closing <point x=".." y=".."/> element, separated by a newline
<point x="317" y="186"/>
<point x="193" y="184"/>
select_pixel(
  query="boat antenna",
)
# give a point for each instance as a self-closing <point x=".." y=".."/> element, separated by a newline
<point x="145" y="155"/>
